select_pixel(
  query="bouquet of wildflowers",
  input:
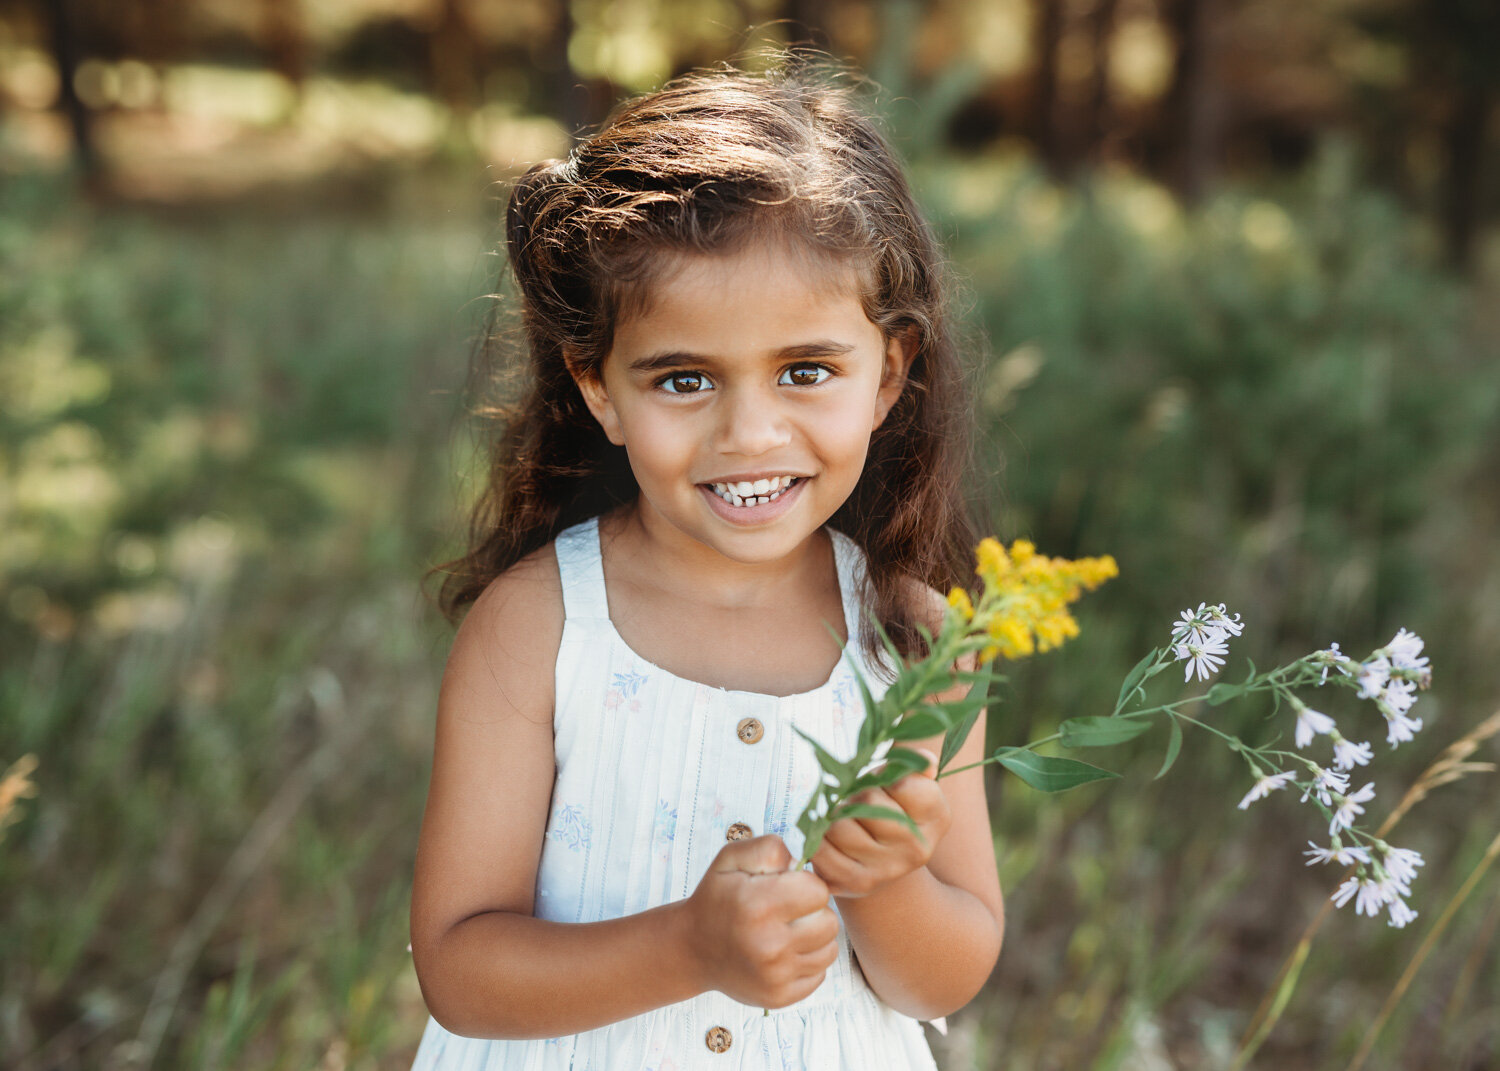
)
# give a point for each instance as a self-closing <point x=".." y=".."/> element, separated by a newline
<point x="1022" y="607"/>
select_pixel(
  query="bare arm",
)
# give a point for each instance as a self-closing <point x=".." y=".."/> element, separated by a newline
<point x="928" y="941"/>
<point x="926" y="918"/>
<point x="486" y="965"/>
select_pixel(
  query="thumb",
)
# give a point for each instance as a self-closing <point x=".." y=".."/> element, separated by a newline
<point x="766" y="854"/>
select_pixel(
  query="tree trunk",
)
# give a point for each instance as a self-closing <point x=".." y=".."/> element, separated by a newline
<point x="1045" y="111"/>
<point x="1465" y="137"/>
<point x="1196" y="102"/>
<point x="286" y="41"/>
<point x="1096" y="124"/>
<point x="567" y="100"/>
<point x="62" y="29"/>
<point x="806" y="23"/>
<point x="452" y="59"/>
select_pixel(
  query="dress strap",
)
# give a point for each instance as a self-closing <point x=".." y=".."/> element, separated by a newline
<point x="582" y="571"/>
<point x="853" y="578"/>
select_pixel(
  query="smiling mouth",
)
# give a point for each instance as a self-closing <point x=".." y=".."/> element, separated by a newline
<point x="754" y="492"/>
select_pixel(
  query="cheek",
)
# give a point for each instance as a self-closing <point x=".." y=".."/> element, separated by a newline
<point x="657" y="449"/>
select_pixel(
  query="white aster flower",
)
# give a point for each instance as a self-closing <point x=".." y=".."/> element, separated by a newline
<point x="1373" y="895"/>
<point x="1203" y="657"/>
<point x="1404" y="650"/>
<point x="1345" y="892"/>
<point x="1367" y="894"/>
<point x="1348" y="755"/>
<point x="1337" y="854"/>
<point x="1349" y="807"/>
<point x="1373" y="676"/>
<point x="1310" y="723"/>
<point x="1192" y="628"/>
<point x="1265" y="786"/>
<point x="1401" y="864"/>
<point x="1400" y="913"/>
<point x="1324" y="784"/>
<point x="1400" y="729"/>
<point x="1219" y="617"/>
<point x="1399" y="696"/>
<point x="1331" y="657"/>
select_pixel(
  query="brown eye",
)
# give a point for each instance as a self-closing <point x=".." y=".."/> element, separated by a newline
<point x="686" y="383"/>
<point x="804" y="375"/>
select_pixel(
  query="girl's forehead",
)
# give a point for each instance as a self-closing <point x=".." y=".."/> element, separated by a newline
<point x="682" y="280"/>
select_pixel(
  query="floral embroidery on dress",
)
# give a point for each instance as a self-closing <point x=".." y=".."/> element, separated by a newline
<point x="845" y="700"/>
<point x="571" y="827"/>
<point x="665" y="828"/>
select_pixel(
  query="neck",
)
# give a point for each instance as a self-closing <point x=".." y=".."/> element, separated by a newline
<point x="650" y="550"/>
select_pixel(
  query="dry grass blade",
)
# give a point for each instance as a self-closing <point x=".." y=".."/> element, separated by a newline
<point x="14" y="787"/>
<point x="1470" y="970"/>
<point x="1420" y="956"/>
<point x="1451" y="765"/>
<point x="241" y="866"/>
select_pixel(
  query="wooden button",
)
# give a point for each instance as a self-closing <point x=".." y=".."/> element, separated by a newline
<point x="718" y="1039"/>
<point x="738" y="831"/>
<point x="750" y="730"/>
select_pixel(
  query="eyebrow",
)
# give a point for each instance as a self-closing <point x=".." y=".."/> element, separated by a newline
<point x="661" y="362"/>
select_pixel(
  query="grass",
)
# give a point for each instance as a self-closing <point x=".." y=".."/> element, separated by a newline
<point x="230" y="450"/>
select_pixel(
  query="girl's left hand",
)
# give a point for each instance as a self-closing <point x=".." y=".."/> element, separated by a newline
<point x="859" y="855"/>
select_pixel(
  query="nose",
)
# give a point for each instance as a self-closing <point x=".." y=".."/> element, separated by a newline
<point x="752" y="424"/>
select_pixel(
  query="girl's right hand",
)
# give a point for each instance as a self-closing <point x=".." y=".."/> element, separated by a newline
<point x="760" y="933"/>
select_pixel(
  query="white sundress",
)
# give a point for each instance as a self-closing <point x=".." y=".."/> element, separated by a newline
<point x="652" y="772"/>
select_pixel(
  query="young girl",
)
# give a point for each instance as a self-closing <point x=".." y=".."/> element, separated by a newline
<point x="741" y="433"/>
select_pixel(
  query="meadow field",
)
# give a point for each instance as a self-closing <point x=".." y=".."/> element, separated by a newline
<point x="233" y="440"/>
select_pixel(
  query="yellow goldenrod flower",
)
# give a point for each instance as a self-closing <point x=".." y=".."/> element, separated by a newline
<point x="992" y="560"/>
<point x="1023" y="607"/>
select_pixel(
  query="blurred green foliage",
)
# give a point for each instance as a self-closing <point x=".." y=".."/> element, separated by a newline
<point x="229" y="447"/>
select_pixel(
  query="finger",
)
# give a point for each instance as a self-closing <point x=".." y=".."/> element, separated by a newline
<point x="811" y="932"/>
<point x="818" y="960"/>
<point x="920" y="797"/>
<point x="801" y="892"/>
<point x="838" y="870"/>
<point x="851" y="838"/>
<point x="883" y="829"/>
<point x="767" y="854"/>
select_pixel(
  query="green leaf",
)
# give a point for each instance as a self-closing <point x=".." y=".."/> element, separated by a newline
<point x="1047" y="773"/>
<point x="1101" y="732"/>
<point x="906" y="760"/>
<point x="1223" y="692"/>
<point x="873" y="725"/>
<point x="953" y="739"/>
<point x="887" y="642"/>
<point x="841" y="770"/>
<point x="1134" y="678"/>
<point x="1174" y="745"/>
<point x="919" y="725"/>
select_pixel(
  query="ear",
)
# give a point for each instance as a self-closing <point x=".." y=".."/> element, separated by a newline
<point x="590" y="382"/>
<point x="900" y="351"/>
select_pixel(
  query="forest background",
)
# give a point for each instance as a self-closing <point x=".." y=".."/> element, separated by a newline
<point x="1230" y="269"/>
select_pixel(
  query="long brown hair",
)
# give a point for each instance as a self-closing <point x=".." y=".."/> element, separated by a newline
<point x="704" y="164"/>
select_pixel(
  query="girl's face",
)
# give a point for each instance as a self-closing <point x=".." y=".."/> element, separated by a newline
<point x="751" y="378"/>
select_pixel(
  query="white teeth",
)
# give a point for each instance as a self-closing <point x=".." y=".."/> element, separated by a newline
<point x="753" y="492"/>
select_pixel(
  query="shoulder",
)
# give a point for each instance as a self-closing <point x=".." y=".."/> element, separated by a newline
<point x="506" y="647"/>
<point x="928" y="607"/>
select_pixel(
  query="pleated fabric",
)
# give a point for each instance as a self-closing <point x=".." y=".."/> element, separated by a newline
<point x="651" y="773"/>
